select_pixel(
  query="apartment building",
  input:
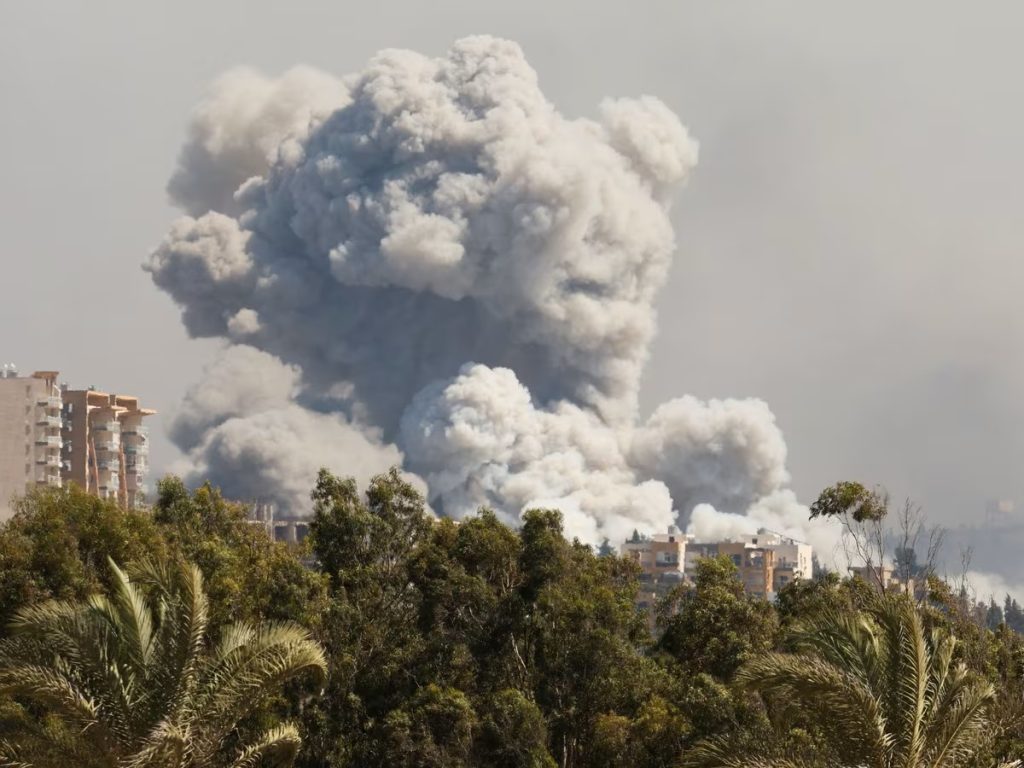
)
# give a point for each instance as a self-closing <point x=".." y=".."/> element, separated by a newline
<point x="658" y="555"/>
<point x="292" y="530"/>
<point x="755" y="566"/>
<point x="106" y="444"/>
<point x="886" y="579"/>
<point x="51" y="435"/>
<point x="765" y="562"/>
<point x="661" y="559"/>
<point x="30" y="434"/>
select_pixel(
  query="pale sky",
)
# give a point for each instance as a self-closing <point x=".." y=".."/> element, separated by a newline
<point x="848" y="245"/>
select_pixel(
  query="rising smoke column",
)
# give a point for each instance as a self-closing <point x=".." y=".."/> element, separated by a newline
<point x="462" y="274"/>
<point x="243" y="426"/>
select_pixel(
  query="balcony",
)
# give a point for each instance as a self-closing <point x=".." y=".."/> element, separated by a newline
<point x="107" y="446"/>
<point x="52" y="441"/>
<point x="136" y="450"/>
<point x="106" y="426"/>
<point x="49" y="421"/>
<point x="135" y="431"/>
<point x="50" y="402"/>
<point x="48" y="479"/>
<point x="49" y="461"/>
<point x="108" y="465"/>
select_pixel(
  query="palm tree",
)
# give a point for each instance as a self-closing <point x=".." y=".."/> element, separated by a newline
<point x="887" y="692"/>
<point x="132" y="681"/>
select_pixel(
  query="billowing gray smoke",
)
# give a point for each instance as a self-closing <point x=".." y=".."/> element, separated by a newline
<point x="429" y="264"/>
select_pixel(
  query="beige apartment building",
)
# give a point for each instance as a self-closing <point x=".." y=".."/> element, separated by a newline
<point x="30" y="434"/>
<point x="51" y="435"/>
<point x="106" y="444"/>
<point x="765" y="562"/>
<point x="661" y="558"/>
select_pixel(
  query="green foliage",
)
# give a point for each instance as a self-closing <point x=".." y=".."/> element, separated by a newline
<point x="889" y="690"/>
<point x="474" y="644"/>
<point x="130" y="679"/>
<point x="517" y="644"/>
<point x="804" y="599"/>
<point x="434" y="729"/>
<point x="849" y="499"/>
<point x="59" y="541"/>
<point x="512" y="732"/>
<point x="713" y="627"/>
<point x="247" y="575"/>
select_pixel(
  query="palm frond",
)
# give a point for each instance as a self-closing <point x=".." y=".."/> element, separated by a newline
<point x="129" y="680"/>
<point x="276" y="748"/>
<point x="237" y="682"/>
<point x="717" y="753"/>
<point x="49" y="687"/>
<point x="958" y="726"/>
<point x="165" y="745"/>
<point x="825" y="688"/>
<point x="134" y="621"/>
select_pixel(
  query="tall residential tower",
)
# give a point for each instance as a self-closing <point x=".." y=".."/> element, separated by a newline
<point x="30" y="433"/>
<point x="51" y="435"/>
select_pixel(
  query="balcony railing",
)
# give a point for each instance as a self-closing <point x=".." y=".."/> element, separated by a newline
<point x="108" y="465"/>
<point x="50" y="402"/>
<point x="135" y="431"/>
<point x="138" y="450"/>
<point x="49" y="461"/>
<point x="48" y="479"/>
<point x="52" y="441"/>
<point x="108" y="446"/>
<point x="49" y="421"/>
<point x="106" y="426"/>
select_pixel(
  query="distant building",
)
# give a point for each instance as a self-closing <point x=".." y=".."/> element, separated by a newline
<point x="292" y="530"/>
<point x="999" y="512"/>
<point x="30" y="434"/>
<point x="662" y="559"/>
<point x="658" y="555"/>
<point x="51" y="435"/>
<point x="755" y="566"/>
<point x="883" y="579"/>
<point x="106" y="444"/>
<point x="765" y="562"/>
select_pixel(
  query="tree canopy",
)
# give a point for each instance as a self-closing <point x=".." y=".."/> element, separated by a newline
<point x="474" y="643"/>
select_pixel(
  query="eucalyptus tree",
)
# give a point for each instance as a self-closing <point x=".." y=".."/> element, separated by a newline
<point x="132" y="680"/>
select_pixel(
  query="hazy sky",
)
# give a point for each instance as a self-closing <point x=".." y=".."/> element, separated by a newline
<point x="848" y="246"/>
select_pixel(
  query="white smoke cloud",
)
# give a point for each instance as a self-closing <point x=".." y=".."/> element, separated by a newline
<point x="243" y="380"/>
<point x="244" y="432"/>
<point x="992" y="586"/>
<point x="441" y="255"/>
<point x="778" y="512"/>
<point x="480" y="441"/>
<point x="726" y="453"/>
<point x="245" y="123"/>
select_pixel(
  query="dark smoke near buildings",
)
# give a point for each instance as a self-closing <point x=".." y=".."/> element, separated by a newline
<point x="426" y="264"/>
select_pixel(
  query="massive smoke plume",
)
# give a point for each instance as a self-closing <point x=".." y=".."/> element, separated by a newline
<point x="428" y="264"/>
